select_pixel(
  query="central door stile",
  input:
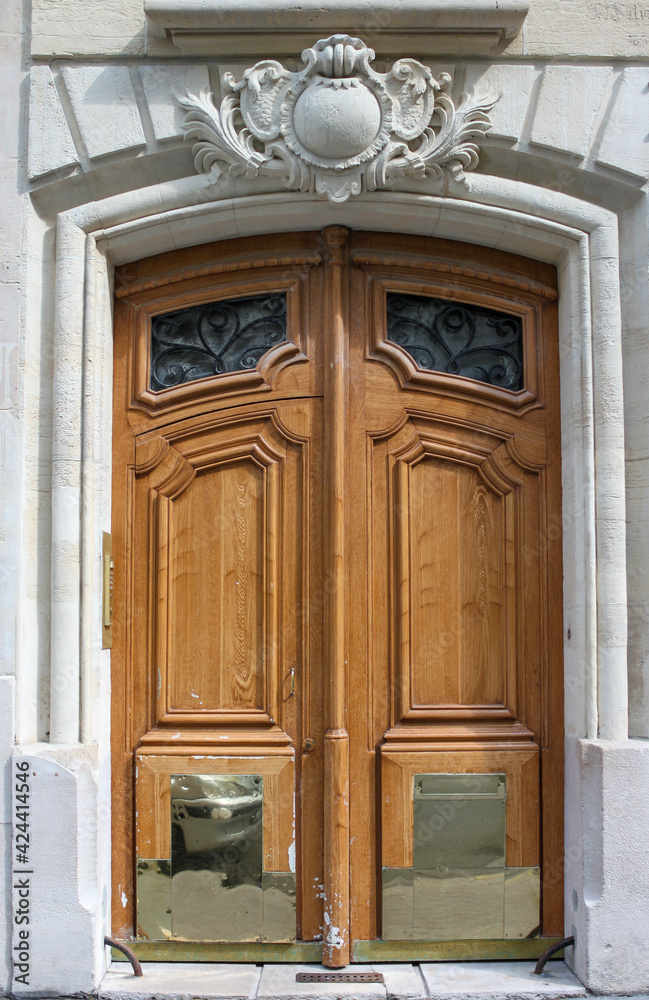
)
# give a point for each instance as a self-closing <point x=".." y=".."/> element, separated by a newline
<point x="336" y="945"/>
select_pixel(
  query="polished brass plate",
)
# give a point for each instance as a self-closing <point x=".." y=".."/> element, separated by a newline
<point x="278" y="906"/>
<point x="214" y="888"/>
<point x="153" y="885"/>
<point x="398" y="904"/>
<point x="300" y="952"/>
<point x="458" y="904"/>
<point x="216" y="857"/>
<point x="459" y="888"/>
<point x="459" y="821"/>
<point x="452" y="951"/>
<point x="522" y="902"/>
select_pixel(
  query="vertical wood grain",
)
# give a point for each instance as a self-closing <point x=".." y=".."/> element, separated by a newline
<point x="481" y="591"/>
<point x="216" y="590"/>
<point x="336" y="842"/>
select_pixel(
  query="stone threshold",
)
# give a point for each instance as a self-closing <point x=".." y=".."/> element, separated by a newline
<point x="421" y="981"/>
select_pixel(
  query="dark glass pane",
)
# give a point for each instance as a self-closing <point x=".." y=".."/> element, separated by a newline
<point x="458" y="339"/>
<point x="214" y="338"/>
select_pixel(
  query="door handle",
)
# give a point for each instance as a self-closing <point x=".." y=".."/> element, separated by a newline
<point x="291" y="692"/>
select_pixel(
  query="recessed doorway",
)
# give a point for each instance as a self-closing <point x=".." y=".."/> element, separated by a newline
<point x="337" y="657"/>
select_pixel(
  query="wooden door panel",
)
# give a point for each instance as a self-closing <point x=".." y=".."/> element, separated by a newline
<point x="225" y="541"/>
<point x="459" y="642"/>
<point x="216" y="590"/>
<point x="451" y="565"/>
<point x="338" y="580"/>
<point x="224" y="551"/>
<point x="454" y="524"/>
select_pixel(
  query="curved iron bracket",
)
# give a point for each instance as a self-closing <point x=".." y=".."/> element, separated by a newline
<point x="549" y="952"/>
<point x="137" y="968"/>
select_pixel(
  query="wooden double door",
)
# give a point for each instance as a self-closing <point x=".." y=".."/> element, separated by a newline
<point x="337" y="655"/>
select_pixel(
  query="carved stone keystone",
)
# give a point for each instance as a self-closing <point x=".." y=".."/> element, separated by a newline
<point x="336" y="127"/>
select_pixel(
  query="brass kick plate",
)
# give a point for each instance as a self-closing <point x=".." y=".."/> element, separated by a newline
<point x="339" y="977"/>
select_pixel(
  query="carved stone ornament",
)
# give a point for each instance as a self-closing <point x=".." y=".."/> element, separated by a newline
<point x="336" y="127"/>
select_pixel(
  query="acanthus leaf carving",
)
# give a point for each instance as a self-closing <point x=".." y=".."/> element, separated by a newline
<point x="336" y="127"/>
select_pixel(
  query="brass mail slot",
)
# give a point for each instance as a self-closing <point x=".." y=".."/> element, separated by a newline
<point x="459" y="887"/>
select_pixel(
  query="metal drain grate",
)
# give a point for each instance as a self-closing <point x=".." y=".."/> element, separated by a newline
<point x="339" y="977"/>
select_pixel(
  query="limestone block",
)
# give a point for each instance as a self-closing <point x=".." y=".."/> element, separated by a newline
<point x="514" y="85"/>
<point x="11" y="261"/>
<point x="50" y="143"/>
<point x="499" y="981"/>
<point x="5" y="908"/>
<point x="402" y="982"/>
<point x="505" y="16"/>
<point x="218" y="26"/>
<point x="588" y="28"/>
<point x="637" y="496"/>
<point x="163" y="86"/>
<point x="233" y="982"/>
<point x="568" y="105"/>
<point x="104" y="105"/>
<point x="14" y="18"/>
<point x="278" y="982"/>
<point x="7" y="737"/>
<point x="10" y="451"/>
<point x="612" y="911"/>
<point x="553" y="28"/>
<point x="9" y="322"/>
<point x="11" y="78"/>
<point x="59" y="872"/>
<point x="72" y="27"/>
<point x="625" y="143"/>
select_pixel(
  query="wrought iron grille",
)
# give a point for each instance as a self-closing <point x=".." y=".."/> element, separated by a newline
<point x="213" y="338"/>
<point x="457" y="338"/>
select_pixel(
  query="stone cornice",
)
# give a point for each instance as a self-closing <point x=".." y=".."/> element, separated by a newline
<point x="219" y="27"/>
